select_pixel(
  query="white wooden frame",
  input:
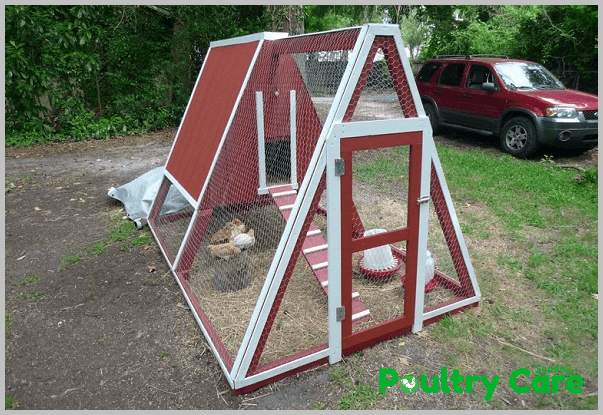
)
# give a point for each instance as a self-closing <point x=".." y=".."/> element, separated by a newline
<point x="323" y="159"/>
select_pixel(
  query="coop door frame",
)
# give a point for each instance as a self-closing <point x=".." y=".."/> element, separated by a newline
<point x="369" y="135"/>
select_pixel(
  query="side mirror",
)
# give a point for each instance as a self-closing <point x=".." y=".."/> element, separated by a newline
<point x="489" y="86"/>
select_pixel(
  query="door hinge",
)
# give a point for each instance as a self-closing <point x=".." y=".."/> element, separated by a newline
<point x="340" y="313"/>
<point x="339" y="167"/>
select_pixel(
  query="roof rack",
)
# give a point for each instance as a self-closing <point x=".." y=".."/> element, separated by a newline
<point x="471" y="56"/>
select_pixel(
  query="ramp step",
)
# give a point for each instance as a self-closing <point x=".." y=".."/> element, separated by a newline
<point x="285" y="193"/>
<point x="319" y="266"/>
<point x="315" y="249"/>
<point x="360" y="315"/>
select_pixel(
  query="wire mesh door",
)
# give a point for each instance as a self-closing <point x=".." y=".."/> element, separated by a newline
<point x="379" y="263"/>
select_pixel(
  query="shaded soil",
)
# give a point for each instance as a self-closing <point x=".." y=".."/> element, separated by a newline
<point x="113" y="331"/>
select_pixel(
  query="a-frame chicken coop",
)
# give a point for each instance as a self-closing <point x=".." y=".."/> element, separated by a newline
<point x="319" y="221"/>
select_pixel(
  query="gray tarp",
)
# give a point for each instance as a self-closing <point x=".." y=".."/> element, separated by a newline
<point x="138" y="195"/>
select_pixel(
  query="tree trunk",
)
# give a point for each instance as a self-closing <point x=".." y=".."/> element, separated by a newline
<point x="181" y="62"/>
<point x="287" y="18"/>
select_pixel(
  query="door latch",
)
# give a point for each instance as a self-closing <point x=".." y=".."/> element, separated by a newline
<point x="423" y="199"/>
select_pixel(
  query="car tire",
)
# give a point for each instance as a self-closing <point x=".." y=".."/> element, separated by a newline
<point x="518" y="137"/>
<point x="433" y="118"/>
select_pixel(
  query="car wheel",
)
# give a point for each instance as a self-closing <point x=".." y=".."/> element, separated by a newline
<point x="433" y="118"/>
<point x="518" y="137"/>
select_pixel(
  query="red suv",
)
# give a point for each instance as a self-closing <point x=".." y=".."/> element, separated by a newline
<point x="519" y="101"/>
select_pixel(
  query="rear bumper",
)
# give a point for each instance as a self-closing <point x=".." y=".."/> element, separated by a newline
<point x="567" y="132"/>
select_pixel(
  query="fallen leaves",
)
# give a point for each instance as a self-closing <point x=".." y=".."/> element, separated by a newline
<point x="404" y="360"/>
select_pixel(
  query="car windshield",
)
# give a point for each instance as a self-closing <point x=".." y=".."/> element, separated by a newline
<point x="527" y="76"/>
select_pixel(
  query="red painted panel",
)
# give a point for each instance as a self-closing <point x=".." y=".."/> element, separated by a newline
<point x="376" y="334"/>
<point x="271" y="73"/>
<point x="208" y="113"/>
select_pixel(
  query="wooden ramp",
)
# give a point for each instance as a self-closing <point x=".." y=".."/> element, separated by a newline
<point x="315" y="250"/>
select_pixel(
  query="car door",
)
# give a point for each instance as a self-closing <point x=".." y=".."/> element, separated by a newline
<point x="448" y="93"/>
<point x="481" y="108"/>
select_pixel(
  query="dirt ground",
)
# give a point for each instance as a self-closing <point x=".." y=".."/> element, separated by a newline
<point x="113" y="331"/>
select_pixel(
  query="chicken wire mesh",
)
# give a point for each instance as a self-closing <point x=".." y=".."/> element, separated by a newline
<point x="379" y="195"/>
<point x="451" y="269"/>
<point x="380" y="188"/>
<point x="240" y="221"/>
<point x="170" y="227"/>
<point x="383" y="91"/>
<point x="232" y="247"/>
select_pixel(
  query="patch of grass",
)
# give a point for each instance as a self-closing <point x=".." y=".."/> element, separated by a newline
<point x="588" y="177"/>
<point x="349" y="375"/>
<point x="10" y="401"/>
<point x="163" y="354"/>
<point x="27" y="177"/>
<point x="19" y="183"/>
<point x="68" y="260"/>
<point x="452" y="360"/>
<point x="340" y="376"/>
<point x="456" y="333"/>
<point x="542" y="298"/>
<point x="520" y="192"/>
<point x="496" y="404"/>
<point x="318" y="406"/>
<point x="385" y="166"/>
<point x="30" y="279"/>
<point x="360" y="397"/>
<point x="467" y="229"/>
<point x="510" y="262"/>
<point x="142" y="240"/>
<point x="8" y="321"/>
<point x="564" y="400"/>
<point x="34" y="295"/>
<point x="98" y="249"/>
<point x="9" y="186"/>
<point x="122" y="231"/>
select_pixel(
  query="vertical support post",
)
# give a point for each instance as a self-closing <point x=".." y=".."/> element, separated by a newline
<point x="259" y="109"/>
<point x="428" y="150"/>
<point x="293" y="140"/>
<point x="334" y="253"/>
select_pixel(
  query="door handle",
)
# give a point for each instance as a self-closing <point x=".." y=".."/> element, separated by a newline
<point x="438" y="91"/>
<point x="467" y="95"/>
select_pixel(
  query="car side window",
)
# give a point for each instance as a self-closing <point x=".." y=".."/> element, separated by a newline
<point x="427" y="71"/>
<point x="452" y="74"/>
<point x="478" y="74"/>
